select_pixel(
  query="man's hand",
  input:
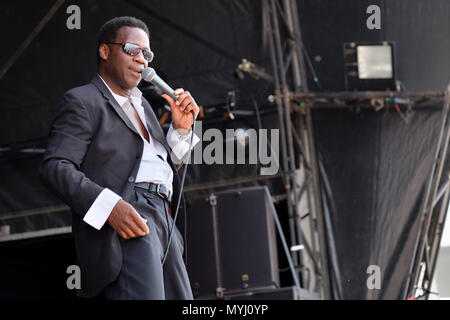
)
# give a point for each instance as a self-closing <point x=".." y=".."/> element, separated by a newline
<point x="126" y="221"/>
<point x="181" y="109"/>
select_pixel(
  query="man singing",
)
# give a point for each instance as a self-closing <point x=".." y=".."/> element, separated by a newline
<point x="109" y="160"/>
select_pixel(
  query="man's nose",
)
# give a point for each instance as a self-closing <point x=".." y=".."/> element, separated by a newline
<point x="140" y="59"/>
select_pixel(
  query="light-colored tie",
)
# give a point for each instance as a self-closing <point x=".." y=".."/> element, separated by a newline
<point x="135" y="119"/>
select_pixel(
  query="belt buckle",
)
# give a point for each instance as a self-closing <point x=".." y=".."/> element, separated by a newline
<point x="158" y="193"/>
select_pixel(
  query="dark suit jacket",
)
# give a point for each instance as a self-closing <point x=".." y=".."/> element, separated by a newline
<point x="93" y="145"/>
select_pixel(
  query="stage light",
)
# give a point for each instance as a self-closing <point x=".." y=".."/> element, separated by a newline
<point x="369" y="66"/>
<point x="241" y="136"/>
<point x="374" y="62"/>
<point x="241" y="133"/>
<point x="253" y="70"/>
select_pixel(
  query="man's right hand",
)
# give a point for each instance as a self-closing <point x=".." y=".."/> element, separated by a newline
<point x="126" y="221"/>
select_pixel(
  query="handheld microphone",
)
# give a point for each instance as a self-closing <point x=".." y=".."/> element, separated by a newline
<point x="149" y="74"/>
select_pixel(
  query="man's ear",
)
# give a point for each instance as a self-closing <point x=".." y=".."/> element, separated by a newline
<point x="103" y="51"/>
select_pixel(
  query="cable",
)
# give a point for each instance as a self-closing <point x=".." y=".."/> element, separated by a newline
<point x="311" y="67"/>
<point x="181" y="191"/>
<point x="409" y="111"/>
<point x="258" y="121"/>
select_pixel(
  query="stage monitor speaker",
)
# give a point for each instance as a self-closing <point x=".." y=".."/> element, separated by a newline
<point x="231" y="243"/>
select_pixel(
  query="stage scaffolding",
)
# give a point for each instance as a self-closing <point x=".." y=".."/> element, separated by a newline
<point x="435" y="202"/>
<point x="294" y="105"/>
<point x="302" y="186"/>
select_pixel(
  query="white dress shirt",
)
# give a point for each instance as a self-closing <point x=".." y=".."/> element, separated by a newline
<point x="151" y="169"/>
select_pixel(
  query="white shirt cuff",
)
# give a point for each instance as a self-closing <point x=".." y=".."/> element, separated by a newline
<point x="100" y="210"/>
<point x="179" y="143"/>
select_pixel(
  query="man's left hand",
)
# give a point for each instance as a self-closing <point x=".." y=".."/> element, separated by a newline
<point x="181" y="109"/>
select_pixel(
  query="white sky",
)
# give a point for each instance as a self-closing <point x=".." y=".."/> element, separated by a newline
<point x="445" y="241"/>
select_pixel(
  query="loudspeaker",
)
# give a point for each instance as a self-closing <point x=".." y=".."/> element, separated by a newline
<point x="231" y="243"/>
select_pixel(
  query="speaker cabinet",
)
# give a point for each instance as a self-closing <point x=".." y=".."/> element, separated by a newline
<point x="231" y="243"/>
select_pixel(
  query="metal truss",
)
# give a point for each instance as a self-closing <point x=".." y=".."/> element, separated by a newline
<point x="432" y="216"/>
<point x="281" y="23"/>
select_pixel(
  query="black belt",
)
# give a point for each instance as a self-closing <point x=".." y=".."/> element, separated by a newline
<point x="159" y="189"/>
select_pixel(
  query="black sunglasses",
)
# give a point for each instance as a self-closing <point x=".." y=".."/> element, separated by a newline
<point x="133" y="50"/>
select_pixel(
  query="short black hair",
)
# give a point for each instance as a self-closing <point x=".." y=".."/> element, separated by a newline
<point x="108" y="31"/>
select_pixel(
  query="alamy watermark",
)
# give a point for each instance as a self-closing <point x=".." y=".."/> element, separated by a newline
<point x="236" y="146"/>
<point x="74" y="20"/>
<point x="374" y="20"/>
<point x="74" y="280"/>
<point x="374" y="279"/>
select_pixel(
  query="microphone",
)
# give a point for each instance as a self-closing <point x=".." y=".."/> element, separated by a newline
<point x="149" y="74"/>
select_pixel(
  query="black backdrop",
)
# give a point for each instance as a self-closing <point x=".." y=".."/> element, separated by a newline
<point x="374" y="171"/>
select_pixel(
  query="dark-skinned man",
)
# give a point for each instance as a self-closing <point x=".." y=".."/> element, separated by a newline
<point x="109" y="160"/>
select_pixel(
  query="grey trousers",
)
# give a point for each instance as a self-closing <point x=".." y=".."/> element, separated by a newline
<point x="142" y="275"/>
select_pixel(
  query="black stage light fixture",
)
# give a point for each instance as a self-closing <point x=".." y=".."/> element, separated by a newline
<point x="369" y="66"/>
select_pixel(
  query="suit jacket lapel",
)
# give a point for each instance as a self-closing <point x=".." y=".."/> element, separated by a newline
<point x="150" y="117"/>
<point x="109" y="97"/>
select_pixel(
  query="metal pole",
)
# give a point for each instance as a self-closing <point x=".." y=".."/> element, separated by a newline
<point x="286" y="177"/>
<point x="310" y="201"/>
<point x="365" y="95"/>
<point x="283" y="239"/>
<point x="303" y="85"/>
<point x="438" y="235"/>
<point x="213" y="203"/>
<point x="24" y="45"/>
<point x="287" y="120"/>
<point x="318" y="206"/>
<point x="293" y="26"/>
<point x="426" y="209"/>
<point x="295" y="58"/>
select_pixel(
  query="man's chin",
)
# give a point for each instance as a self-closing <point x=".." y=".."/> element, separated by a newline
<point x="133" y="83"/>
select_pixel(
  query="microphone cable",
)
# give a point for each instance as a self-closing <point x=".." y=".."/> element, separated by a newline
<point x="181" y="190"/>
